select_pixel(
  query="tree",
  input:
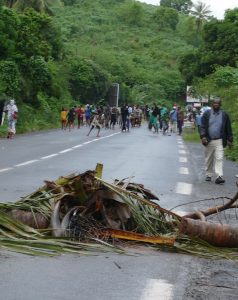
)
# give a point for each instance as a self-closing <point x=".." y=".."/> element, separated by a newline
<point x="202" y="13"/>
<point x="220" y="43"/>
<point x="10" y="78"/>
<point x="188" y="66"/>
<point x="180" y="5"/>
<point x="38" y="36"/>
<point x="219" y="48"/>
<point x="166" y="17"/>
<point x="88" y="82"/>
<point x="9" y="25"/>
<point x="38" y="5"/>
<point x="132" y="13"/>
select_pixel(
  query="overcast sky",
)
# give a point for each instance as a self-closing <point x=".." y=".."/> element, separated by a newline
<point x="217" y="7"/>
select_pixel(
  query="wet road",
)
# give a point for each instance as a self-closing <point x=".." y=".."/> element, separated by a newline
<point x="164" y="164"/>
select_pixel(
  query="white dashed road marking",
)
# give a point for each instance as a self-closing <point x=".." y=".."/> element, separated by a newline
<point x="183" y="171"/>
<point x="184" y="188"/>
<point x="157" y="289"/>
<point x="183" y="159"/>
<point x="182" y="152"/>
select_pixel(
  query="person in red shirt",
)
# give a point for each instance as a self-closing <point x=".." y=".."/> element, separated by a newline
<point x="79" y="113"/>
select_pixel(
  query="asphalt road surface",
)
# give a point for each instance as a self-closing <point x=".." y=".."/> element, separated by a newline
<point x="167" y="165"/>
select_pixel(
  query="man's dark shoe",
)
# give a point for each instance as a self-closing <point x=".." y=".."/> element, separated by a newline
<point x="220" y="180"/>
<point x="208" y="178"/>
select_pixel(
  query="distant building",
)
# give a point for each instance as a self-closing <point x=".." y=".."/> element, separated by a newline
<point x="193" y="98"/>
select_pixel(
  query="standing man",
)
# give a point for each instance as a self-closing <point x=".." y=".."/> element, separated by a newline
<point x="215" y="133"/>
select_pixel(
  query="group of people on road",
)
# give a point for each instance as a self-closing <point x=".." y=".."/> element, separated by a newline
<point x="84" y="115"/>
<point x="165" y="120"/>
<point x="213" y="125"/>
<point x="101" y="117"/>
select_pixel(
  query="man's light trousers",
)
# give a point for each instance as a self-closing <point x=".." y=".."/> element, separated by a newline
<point x="214" y="154"/>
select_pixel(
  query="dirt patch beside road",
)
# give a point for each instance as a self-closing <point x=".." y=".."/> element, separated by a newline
<point x="213" y="280"/>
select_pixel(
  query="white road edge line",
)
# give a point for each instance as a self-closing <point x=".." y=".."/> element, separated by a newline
<point x="55" y="154"/>
<point x="77" y="146"/>
<point x="27" y="163"/>
<point x="85" y="143"/>
<point x="66" y="150"/>
<point x="49" y="156"/>
<point x="6" y="169"/>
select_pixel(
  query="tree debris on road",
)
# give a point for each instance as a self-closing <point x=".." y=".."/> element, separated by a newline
<point x="82" y="213"/>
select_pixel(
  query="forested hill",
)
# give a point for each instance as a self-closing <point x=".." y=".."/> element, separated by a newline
<point x="73" y="50"/>
<point x="56" y="53"/>
<point x="133" y="43"/>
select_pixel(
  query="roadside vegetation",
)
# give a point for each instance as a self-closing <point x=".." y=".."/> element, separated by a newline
<point x="191" y="136"/>
<point x="57" y="53"/>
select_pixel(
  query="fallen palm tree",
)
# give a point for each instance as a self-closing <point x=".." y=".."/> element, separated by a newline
<point x="82" y="213"/>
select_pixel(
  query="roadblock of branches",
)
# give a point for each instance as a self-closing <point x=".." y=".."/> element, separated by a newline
<point x="84" y="214"/>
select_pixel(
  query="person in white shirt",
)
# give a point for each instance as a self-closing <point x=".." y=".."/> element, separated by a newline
<point x="12" y="114"/>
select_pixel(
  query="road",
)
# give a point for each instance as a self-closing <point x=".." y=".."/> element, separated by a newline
<point x="165" y="164"/>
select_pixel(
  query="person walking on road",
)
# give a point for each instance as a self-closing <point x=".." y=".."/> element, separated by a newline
<point x="125" y="118"/>
<point x="216" y="134"/>
<point x="95" y="124"/>
<point x="173" y="120"/>
<point x="154" y="119"/>
<point x="12" y="114"/>
<point x="180" y="120"/>
<point x="71" y="118"/>
<point x="79" y="113"/>
<point x="63" y="117"/>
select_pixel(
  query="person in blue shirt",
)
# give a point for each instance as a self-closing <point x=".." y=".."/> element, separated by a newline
<point x="173" y="120"/>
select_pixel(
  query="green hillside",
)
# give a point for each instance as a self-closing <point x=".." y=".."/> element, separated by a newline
<point x="126" y="40"/>
<point x="60" y="53"/>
